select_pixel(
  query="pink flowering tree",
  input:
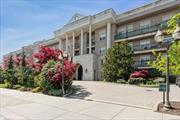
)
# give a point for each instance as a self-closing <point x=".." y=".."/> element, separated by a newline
<point x="43" y="56"/>
<point x="50" y="67"/>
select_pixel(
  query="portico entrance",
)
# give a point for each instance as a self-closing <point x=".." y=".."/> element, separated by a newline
<point x="79" y="72"/>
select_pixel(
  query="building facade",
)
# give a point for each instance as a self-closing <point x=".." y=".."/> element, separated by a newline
<point x="87" y="38"/>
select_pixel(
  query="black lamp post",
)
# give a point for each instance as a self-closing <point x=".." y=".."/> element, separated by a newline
<point x="61" y="57"/>
<point x="159" y="38"/>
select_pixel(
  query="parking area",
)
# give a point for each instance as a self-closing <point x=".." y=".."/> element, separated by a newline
<point x="122" y="93"/>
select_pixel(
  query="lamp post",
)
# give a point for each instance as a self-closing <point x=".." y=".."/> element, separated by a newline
<point x="61" y="57"/>
<point x="159" y="38"/>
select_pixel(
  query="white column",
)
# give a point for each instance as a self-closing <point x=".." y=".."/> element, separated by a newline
<point x="60" y="44"/>
<point x="90" y="39"/>
<point x="73" y="42"/>
<point x="108" y="35"/>
<point x="66" y="43"/>
<point x="82" y="41"/>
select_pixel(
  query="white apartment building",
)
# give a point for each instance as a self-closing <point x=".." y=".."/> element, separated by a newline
<point x="87" y="38"/>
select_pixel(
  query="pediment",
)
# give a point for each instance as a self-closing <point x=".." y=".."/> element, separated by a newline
<point x="75" y="17"/>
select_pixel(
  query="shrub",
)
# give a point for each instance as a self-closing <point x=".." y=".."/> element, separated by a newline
<point x="4" y="85"/>
<point x="150" y="82"/>
<point x="37" y="89"/>
<point x="136" y="80"/>
<point x="37" y="80"/>
<point x="159" y="80"/>
<point x="117" y="62"/>
<point x="121" y="81"/>
<point x="154" y="73"/>
<point x="140" y="74"/>
<point x="16" y="86"/>
<point x="22" y="88"/>
<point x="55" y="92"/>
<point x="25" y="76"/>
<point x="52" y="75"/>
<point x="9" y="78"/>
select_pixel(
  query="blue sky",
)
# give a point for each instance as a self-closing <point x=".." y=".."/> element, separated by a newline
<point x="23" y="22"/>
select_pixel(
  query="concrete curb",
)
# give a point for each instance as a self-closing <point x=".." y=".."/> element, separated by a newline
<point x="118" y="103"/>
<point x="155" y="107"/>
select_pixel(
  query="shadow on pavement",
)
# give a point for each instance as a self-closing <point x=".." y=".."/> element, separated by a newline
<point x="79" y="92"/>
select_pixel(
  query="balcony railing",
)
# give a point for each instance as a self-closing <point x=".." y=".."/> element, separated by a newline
<point x="146" y="47"/>
<point x="141" y="31"/>
<point x="142" y="63"/>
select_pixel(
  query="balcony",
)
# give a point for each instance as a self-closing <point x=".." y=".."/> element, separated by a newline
<point x="142" y="63"/>
<point x="146" y="47"/>
<point x="141" y="31"/>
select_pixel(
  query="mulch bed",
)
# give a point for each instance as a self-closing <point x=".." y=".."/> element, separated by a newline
<point x="175" y="108"/>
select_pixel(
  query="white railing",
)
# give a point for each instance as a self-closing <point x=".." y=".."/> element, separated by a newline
<point x="103" y="14"/>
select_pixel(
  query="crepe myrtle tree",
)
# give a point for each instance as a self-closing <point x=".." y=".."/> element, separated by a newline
<point x="117" y="63"/>
<point x="43" y="56"/>
<point x="54" y="71"/>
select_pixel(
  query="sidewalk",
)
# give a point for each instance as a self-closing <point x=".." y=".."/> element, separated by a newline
<point x="25" y="105"/>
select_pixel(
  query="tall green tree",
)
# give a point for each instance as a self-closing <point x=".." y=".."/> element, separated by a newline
<point x="117" y="62"/>
<point x="23" y="55"/>
<point x="10" y="63"/>
<point x="174" y="52"/>
<point x="8" y="75"/>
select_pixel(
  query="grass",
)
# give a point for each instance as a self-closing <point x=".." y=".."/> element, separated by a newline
<point x="149" y="86"/>
<point x="3" y="85"/>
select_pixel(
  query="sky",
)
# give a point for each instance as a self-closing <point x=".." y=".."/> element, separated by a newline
<point x="23" y="22"/>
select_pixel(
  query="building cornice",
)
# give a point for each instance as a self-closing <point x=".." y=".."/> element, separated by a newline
<point x="147" y="9"/>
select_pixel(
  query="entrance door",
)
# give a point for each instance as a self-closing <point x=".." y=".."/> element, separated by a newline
<point x="80" y="72"/>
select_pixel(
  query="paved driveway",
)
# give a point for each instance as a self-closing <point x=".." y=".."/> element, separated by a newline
<point x="122" y="94"/>
<point x="16" y="105"/>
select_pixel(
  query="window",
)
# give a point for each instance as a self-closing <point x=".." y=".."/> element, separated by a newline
<point x="102" y="35"/>
<point x="122" y="31"/>
<point x="145" y="23"/>
<point x="144" y="59"/>
<point x="130" y="28"/>
<point x="145" y="44"/>
<point x="93" y="49"/>
<point x="102" y="50"/>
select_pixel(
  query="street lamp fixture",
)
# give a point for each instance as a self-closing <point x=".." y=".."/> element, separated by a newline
<point x="61" y="58"/>
<point x="176" y="33"/>
<point x="159" y="38"/>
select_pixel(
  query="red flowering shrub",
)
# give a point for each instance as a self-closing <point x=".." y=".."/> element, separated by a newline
<point x="52" y="75"/>
<point x="44" y="55"/>
<point x="140" y="74"/>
